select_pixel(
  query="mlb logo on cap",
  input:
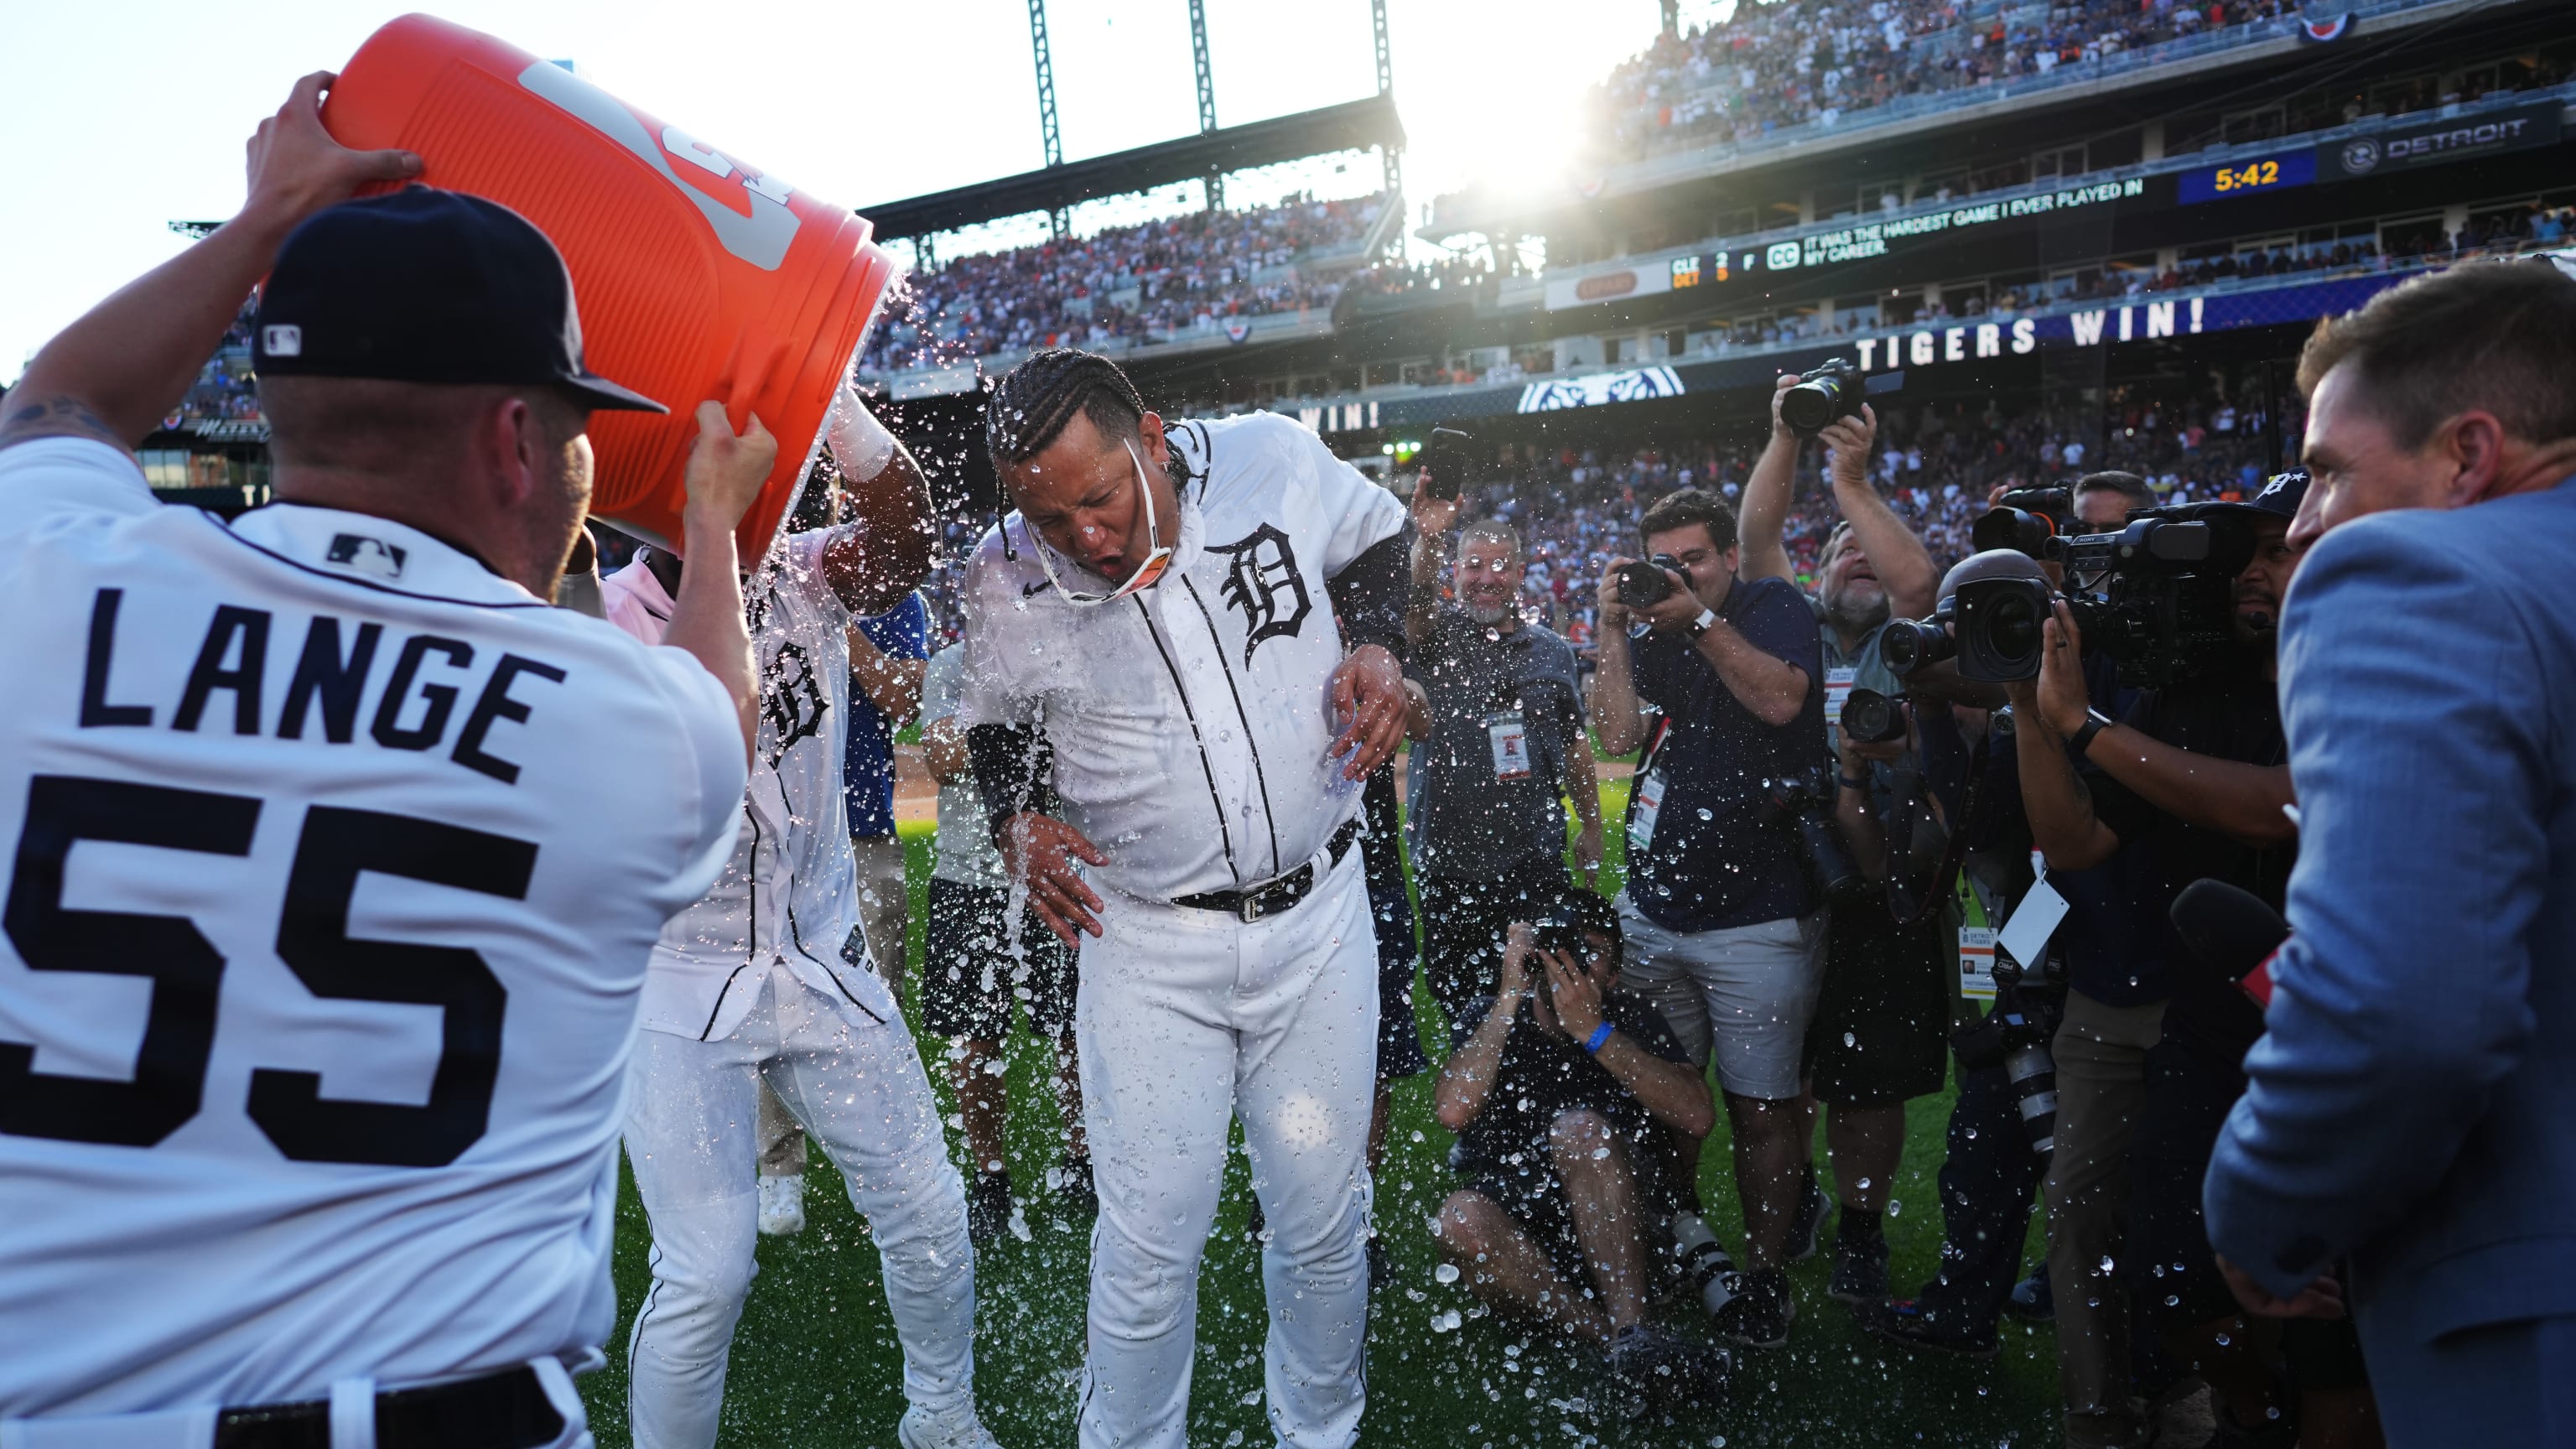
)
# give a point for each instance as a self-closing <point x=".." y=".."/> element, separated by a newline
<point x="282" y="340"/>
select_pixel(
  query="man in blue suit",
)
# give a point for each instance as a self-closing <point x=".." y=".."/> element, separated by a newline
<point x="2413" y="1105"/>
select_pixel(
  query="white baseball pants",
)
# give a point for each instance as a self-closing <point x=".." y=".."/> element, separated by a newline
<point x="859" y="1089"/>
<point x="1186" y="1020"/>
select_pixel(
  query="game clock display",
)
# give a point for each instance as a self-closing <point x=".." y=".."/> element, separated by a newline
<point x="2242" y="178"/>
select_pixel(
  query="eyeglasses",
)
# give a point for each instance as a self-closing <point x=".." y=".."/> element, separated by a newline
<point x="1146" y="573"/>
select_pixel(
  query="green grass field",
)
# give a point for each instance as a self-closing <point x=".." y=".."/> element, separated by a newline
<point x="814" y="1363"/>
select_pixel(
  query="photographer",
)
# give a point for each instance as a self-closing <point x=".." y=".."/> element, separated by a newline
<point x="1497" y="724"/>
<point x="1990" y="1174"/>
<point x="1555" y="1089"/>
<point x="1880" y="1030"/>
<point x="1723" y="922"/>
<point x="2409" y="1104"/>
<point x="2193" y="779"/>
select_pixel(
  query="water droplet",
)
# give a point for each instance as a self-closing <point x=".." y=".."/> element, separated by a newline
<point x="2106" y="1262"/>
<point x="1850" y="1040"/>
<point x="1707" y="814"/>
<point x="1445" y="1273"/>
<point x="1895" y="1208"/>
<point x="1445" y="1321"/>
<point x="2224" y="1340"/>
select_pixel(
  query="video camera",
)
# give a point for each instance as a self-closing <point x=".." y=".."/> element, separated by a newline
<point x="2157" y="596"/>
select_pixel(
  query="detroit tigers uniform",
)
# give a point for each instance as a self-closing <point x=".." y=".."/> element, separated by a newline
<point x="749" y="985"/>
<point x="336" y="860"/>
<point x="1190" y="724"/>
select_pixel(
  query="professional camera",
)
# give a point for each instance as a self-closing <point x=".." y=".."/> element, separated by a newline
<point x="2014" y="1035"/>
<point x="1645" y="584"/>
<point x="2024" y="519"/>
<point x="1872" y="718"/>
<point x="1993" y="605"/>
<point x="1832" y="391"/>
<point x="1807" y="799"/>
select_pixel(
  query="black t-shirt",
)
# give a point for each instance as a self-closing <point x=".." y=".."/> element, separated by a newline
<point x="2230" y="713"/>
<point x="1545" y="1075"/>
<point x="1721" y="855"/>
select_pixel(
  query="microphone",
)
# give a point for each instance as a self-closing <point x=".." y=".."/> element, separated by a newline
<point x="2234" y="931"/>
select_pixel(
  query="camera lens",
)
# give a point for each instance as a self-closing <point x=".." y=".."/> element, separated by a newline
<point x="2013" y="626"/>
<point x="1809" y="406"/>
<point x="1909" y="644"/>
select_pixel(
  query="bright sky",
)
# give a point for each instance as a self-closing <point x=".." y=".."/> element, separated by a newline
<point x="133" y="112"/>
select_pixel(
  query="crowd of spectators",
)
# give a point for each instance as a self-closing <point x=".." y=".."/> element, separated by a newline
<point x="1777" y="64"/>
<point x="1157" y="278"/>
<point x="225" y="389"/>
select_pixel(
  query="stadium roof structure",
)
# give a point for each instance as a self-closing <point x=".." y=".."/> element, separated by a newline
<point x="1350" y="126"/>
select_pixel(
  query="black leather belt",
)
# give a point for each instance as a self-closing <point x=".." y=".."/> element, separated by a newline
<point x="1272" y="897"/>
<point x="506" y="1410"/>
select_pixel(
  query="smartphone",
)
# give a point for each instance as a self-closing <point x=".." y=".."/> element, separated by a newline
<point x="1445" y="460"/>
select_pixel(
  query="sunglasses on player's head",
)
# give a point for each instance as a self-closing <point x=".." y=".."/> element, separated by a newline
<point x="1148" y="571"/>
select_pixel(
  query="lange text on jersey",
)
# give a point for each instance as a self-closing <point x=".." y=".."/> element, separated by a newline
<point x="326" y="688"/>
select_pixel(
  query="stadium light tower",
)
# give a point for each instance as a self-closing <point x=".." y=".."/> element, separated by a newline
<point x="1050" y="135"/>
<point x="1207" y="95"/>
<point x="1391" y="157"/>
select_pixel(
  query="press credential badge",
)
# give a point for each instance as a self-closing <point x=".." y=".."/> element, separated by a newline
<point x="1648" y="801"/>
<point x="1511" y="746"/>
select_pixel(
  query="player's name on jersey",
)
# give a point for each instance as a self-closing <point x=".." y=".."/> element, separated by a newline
<point x="424" y="677"/>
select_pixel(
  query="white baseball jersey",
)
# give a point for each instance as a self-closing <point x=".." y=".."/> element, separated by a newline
<point x="1191" y="720"/>
<point x="790" y="892"/>
<point x="337" y="859"/>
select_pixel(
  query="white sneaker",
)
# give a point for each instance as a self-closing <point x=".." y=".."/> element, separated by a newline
<point x="921" y="1429"/>
<point x="782" y="1206"/>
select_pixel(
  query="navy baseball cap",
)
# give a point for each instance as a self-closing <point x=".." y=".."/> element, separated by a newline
<point x="424" y="285"/>
<point x="2279" y="498"/>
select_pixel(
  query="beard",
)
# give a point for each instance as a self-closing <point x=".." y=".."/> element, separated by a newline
<point x="1856" y="615"/>
<point x="1487" y="615"/>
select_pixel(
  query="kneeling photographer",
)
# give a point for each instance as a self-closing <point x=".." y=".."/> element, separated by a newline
<point x="2195" y="778"/>
<point x="1557" y="1087"/>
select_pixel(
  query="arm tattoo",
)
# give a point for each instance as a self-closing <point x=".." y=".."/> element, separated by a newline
<point x="56" y="416"/>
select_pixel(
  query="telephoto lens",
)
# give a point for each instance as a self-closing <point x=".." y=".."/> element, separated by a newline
<point x="2034" y="1077"/>
<point x="1872" y="718"/>
<point x="1705" y="1267"/>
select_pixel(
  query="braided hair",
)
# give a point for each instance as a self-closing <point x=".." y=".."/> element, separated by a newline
<point x="1035" y="400"/>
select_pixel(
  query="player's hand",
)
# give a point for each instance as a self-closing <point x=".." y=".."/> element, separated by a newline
<point x="2061" y="672"/>
<point x="725" y="472"/>
<point x="1587" y="853"/>
<point x="1575" y="995"/>
<point x="1368" y="690"/>
<point x="296" y="169"/>
<point x="1435" y="516"/>
<point x="1847" y="445"/>
<point x="2321" y="1299"/>
<point x="1041" y="850"/>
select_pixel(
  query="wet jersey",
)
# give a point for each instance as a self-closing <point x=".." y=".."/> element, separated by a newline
<point x="1190" y="721"/>
<point x="790" y="890"/>
<point x="335" y="863"/>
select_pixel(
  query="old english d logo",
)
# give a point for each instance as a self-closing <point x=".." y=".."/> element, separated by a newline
<point x="1262" y="580"/>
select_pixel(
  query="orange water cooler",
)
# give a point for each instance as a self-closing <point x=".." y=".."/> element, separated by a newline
<point x="698" y="276"/>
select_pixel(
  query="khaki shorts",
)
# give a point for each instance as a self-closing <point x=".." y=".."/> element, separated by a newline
<point x="1742" y="993"/>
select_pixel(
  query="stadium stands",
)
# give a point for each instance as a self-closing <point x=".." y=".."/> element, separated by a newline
<point x="1120" y="286"/>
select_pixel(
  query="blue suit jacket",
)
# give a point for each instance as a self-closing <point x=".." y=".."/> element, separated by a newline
<point x="2414" y="1101"/>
